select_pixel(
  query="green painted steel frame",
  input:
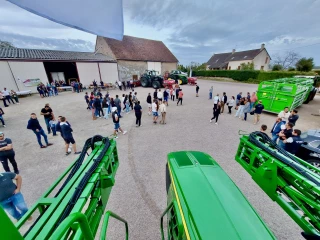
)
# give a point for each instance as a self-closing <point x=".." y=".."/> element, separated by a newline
<point x="109" y="214"/>
<point x="92" y="201"/>
<point x="293" y="192"/>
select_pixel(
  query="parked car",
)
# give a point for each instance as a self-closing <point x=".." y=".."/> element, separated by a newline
<point x="310" y="149"/>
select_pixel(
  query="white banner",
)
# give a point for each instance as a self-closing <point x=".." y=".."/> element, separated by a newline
<point x="99" y="17"/>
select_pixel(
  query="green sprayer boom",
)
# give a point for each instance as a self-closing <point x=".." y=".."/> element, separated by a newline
<point x="291" y="182"/>
<point x="202" y="201"/>
<point x="74" y="205"/>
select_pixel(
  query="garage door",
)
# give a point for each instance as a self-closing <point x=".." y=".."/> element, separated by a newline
<point x="155" y="66"/>
<point x="109" y="72"/>
<point x="88" y="72"/>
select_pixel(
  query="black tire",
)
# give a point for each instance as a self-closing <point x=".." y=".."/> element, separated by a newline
<point x="312" y="94"/>
<point x="155" y="84"/>
<point x="314" y="162"/>
<point x="144" y="82"/>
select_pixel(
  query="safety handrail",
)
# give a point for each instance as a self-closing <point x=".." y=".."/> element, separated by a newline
<point x="161" y="221"/>
<point x="106" y="221"/>
<point x="81" y="219"/>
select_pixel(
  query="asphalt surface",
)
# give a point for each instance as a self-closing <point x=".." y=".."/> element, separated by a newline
<point x="139" y="194"/>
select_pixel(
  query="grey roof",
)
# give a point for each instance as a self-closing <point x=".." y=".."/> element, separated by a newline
<point x="51" y="55"/>
<point x="221" y="59"/>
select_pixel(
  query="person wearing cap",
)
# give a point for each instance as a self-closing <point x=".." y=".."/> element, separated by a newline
<point x="116" y="121"/>
<point x="7" y="153"/>
<point x="11" y="199"/>
<point x="257" y="112"/>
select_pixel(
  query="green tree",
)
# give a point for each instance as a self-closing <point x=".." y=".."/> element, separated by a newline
<point x="291" y="69"/>
<point x="247" y="66"/>
<point x="182" y="68"/>
<point x="4" y="44"/>
<point x="277" y="67"/>
<point x="305" y="64"/>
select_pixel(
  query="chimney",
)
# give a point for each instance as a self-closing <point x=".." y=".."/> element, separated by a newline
<point x="262" y="46"/>
<point x="233" y="51"/>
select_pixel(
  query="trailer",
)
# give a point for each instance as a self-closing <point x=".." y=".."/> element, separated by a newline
<point x="286" y="92"/>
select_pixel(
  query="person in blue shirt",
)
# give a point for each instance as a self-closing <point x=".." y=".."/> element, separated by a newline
<point x="66" y="132"/>
<point x="277" y="127"/>
<point x="238" y="97"/>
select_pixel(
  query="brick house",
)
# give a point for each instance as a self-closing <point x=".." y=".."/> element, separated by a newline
<point x="233" y="60"/>
<point x="135" y="55"/>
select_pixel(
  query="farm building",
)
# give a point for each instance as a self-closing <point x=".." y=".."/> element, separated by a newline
<point x="233" y="60"/>
<point x="135" y="55"/>
<point x="23" y="69"/>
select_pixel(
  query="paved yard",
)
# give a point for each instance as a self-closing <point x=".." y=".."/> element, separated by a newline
<point x="139" y="194"/>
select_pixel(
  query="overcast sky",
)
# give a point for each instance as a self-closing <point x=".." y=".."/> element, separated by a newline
<point x="193" y="30"/>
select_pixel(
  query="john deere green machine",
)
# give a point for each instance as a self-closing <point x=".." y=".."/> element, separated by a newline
<point x="286" y="92"/>
<point x="202" y="201"/>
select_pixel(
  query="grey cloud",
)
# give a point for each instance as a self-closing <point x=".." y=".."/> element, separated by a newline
<point x="205" y="27"/>
<point x="23" y="41"/>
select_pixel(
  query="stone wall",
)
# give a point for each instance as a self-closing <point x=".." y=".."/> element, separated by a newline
<point x="103" y="47"/>
<point x="129" y="68"/>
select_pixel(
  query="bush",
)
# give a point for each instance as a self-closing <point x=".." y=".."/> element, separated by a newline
<point x="291" y="69"/>
<point x="277" y="67"/>
<point x="246" y="75"/>
<point x="234" y="74"/>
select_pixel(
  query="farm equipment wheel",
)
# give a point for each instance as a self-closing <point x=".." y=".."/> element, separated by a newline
<point x="314" y="162"/>
<point x="144" y="82"/>
<point x="155" y="84"/>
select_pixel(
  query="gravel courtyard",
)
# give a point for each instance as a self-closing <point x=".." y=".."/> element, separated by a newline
<point x="139" y="194"/>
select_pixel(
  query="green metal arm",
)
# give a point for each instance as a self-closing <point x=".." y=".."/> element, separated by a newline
<point x="68" y="222"/>
<point x="161" y="222"/>
<point x="109" y="214"/>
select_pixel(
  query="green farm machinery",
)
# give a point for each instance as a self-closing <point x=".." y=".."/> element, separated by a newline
<point x="286" y="92"/>
<point x="288" y="180"/>
<point x="202" y="201"/>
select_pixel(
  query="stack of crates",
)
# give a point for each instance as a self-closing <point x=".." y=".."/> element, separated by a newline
<point x="285" y="92"/>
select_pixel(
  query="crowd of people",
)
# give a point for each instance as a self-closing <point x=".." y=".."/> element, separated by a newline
<point x="115" y="107"/>
<point x="282" y="131"/>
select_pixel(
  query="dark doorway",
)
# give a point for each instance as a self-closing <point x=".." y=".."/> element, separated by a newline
<point x="68" y="70"/>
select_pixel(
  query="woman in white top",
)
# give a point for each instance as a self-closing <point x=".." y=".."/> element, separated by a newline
<point x="155" y="108"/>
<point x="231" y="103"/>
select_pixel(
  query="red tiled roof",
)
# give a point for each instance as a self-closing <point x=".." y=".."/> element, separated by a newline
<point x="140" y="49"/>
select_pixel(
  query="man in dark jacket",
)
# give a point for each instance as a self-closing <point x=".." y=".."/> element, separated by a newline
<point x="224" y="100"/>
<point x="66" y="133"/>
<point x="257" y="112"/>
<point x="294" y="142"/>
<point x="277" y="127"/>
<point x="34" y="125"/>
<point x="293" y="118"/>
<point x="285" y="134"/>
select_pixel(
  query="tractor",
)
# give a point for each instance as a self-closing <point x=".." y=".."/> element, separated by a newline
<point x="151" y="78"/>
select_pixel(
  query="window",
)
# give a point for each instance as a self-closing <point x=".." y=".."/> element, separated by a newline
<point x="239" y="67"/>
<point x="262" y="67"/>
<point x="267" y="58"/>
<point x="315" y="144"/>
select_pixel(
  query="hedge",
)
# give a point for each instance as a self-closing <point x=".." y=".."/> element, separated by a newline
<point x="245" y="75"/>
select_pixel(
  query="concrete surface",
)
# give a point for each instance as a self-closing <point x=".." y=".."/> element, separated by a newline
<point x="139" y="194"/>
